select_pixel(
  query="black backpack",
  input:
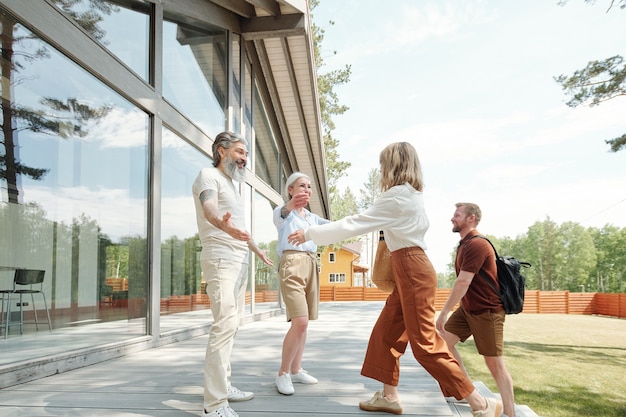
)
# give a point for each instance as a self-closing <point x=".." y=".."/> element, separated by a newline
<point x="512" y="282"/>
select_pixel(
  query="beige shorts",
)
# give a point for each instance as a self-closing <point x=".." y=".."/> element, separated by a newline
<point x="299" y="284"/>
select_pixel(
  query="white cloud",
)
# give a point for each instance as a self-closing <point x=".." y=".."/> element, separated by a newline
<point x="407" y="24"/>
<point x="114" y="211"/>
<point x="120" y="128"/>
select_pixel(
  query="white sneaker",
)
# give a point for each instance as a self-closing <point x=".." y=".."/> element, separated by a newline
<point x="303" y="377"/>
<point x="224" y="411"/>
<point x="284" y="384"/>
<point x="235" y="394"/>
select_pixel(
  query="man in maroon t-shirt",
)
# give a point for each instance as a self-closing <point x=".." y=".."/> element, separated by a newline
<point x="480" y="313"/>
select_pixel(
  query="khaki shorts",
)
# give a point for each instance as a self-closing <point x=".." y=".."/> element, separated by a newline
<point x="299" y="284"/>
<point x="487" y="329"/>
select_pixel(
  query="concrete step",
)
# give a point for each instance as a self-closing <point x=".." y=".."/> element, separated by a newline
<point x="463" y="409"/>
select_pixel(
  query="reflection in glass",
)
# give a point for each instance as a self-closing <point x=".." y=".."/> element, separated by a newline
<point x="265" y="235"/>
<point x="121" y="26"/>
<point x="266" y="164"/>
<point x="73" y="189"/>
<point x="194" y="73"/>
<point x="236" y="87"/>
<point x="246" y="196"/>
<point x="247" y="102"/>
<point x="182" y="288"/>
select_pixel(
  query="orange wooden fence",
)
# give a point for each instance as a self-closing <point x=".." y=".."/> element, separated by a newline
<point x="535" y="301"/>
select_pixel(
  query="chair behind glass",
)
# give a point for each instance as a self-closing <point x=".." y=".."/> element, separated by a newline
<point x="25" y="281"/>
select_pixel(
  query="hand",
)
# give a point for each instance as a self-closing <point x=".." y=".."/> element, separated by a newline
<point x="266" y="259"/>
<point x="228" y="227"/>
<point x="296" y="238"/>
<point x="441" y="321"/>
<point x="300" y="200"/>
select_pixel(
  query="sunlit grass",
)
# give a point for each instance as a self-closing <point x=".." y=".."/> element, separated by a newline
<point x="562" y="365"/>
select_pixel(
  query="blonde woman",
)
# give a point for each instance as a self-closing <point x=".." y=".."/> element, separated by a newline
<point x="409" y="314"/>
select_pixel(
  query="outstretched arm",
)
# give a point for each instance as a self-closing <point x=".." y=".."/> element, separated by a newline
<point x="297" y="201"/>
<point x="208" y="199"/>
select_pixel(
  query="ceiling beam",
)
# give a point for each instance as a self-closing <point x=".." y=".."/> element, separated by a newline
<point x="273" y="27"/>
<point x="240" y="7"/>
<point x="204" y="11"/>
<point x="270" y="6"/>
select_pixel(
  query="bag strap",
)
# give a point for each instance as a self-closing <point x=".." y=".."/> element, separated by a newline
<point x="487" y="239"/>
<point x="481" y="272"/>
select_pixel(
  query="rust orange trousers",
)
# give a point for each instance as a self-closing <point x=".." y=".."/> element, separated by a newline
<point x="409" y="317"/>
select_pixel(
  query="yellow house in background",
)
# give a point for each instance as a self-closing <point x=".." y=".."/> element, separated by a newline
<point x="339" y="266"/>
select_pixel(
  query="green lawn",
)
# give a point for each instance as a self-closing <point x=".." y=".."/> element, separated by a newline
<point x="562" y="365"/>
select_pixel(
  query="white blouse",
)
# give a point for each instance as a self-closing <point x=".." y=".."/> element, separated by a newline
<point x="399" y="212"/>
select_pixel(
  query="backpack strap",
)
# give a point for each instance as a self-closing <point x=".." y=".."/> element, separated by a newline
<point x="481" y="272"/>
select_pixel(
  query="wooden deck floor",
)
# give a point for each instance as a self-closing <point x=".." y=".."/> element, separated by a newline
<point x="167" y="381"/>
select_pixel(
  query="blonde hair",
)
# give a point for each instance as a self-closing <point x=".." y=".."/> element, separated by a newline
<point x="400" y="164"/>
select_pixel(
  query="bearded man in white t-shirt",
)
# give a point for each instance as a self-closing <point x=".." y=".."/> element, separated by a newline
<point x="224" y="260"/>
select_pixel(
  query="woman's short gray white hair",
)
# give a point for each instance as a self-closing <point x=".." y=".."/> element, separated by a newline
<point x="291" y="180"/>
<point x="225" y="140"/>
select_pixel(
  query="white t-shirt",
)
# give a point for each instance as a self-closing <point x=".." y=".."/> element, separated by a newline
<point x="399" y="212"/>
<point x="217" y="244"/>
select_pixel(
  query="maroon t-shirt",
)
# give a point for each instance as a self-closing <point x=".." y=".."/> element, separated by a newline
<point x="473" y="255"/>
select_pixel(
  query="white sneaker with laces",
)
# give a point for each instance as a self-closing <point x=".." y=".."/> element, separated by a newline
<point x="236" y="395"/>
<point x="303" y="377"/>
<point x="284" y="384"/>
<point x="224" y="411"/>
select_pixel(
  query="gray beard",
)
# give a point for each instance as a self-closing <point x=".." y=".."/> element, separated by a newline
<point x="233" y="171"/>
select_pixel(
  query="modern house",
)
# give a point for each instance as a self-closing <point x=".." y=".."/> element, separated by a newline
<point x="109" y="110"/>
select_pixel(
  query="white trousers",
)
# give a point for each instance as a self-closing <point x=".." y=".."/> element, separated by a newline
<point x="226" y="287"/>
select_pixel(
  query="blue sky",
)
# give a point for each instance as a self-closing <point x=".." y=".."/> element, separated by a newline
<point x="471" y="85"/>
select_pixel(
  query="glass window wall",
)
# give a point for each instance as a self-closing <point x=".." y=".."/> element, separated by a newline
<point x="266" y="162"/>
<point x="247" y="99"/>
<point x="73" y="195"/>
<point x="74" y="170"/>
<point x="182" y="287"/>
<point x="237" y="86"/>
<point x="121" y="26"/>
<point x="195" y="72"/>
<point x="265" y="235"/>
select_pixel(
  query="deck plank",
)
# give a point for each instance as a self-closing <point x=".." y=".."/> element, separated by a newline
<point x="167" y="381"/>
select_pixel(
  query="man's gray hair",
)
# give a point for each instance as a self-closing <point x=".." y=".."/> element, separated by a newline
<point x="225" y="140"/>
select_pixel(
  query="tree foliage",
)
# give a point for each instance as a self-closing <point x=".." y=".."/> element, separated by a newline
<point x="88" y="15"/>
<point x="568" y="256"/>
<point x="344" y="204"/>
<point x="599" y="81"/>
<point x="330" y="106"/>
<point x="371" y="191"/>
<point x="621" y="3"/>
